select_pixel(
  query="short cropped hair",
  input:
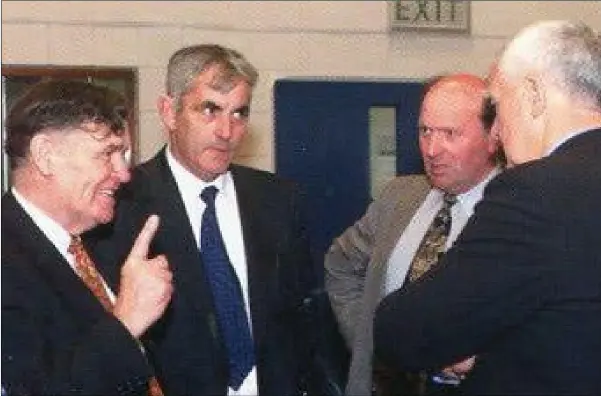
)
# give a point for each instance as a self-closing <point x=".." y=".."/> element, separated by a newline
<point x="568" y="54"/>
<point x="60" y="105"/>
<point x="187" y="63"/>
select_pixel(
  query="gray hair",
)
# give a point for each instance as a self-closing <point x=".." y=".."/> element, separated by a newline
<point x="568" y="54"/>
<point x="187" y="63"/>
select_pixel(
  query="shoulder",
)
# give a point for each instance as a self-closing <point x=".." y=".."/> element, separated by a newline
<point x="149" y="170"/>
<point x="411" y="187"/>
<point x="538" y="177"/>
<point x="574" y="162"/>
<point x="258" y="174"/>
<point x="147" y="179"/>
<point x="18" y="231"/>
<point x="559" y="180"/>
<point x="21" y="271"/>
<point x="248" y="177"/>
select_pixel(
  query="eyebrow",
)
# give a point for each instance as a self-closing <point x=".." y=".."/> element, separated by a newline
<point x="244" y="109"/>
<point x="206" y="104"/>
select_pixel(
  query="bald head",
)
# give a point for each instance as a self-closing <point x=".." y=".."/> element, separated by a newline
<point x="463" y="81"/>
<point x="457" y="150"/>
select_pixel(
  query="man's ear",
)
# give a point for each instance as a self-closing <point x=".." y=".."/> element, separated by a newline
<point x="41" y="151"/>
<point x="494" y="143"/>
<point x="535" y="96"/>
<point x="166" y="107"/>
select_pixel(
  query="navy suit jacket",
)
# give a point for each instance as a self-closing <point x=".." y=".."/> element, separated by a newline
<point x="56" y="337"/>
<point x="189" y="354"/>
<point x="521" y="288"/>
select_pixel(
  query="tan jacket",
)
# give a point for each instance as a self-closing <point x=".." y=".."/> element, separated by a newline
<point x="356" y="266"/>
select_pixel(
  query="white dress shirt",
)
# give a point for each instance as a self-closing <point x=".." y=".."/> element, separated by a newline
<point x="406" y="247"/>
<point x="230" y="225"/>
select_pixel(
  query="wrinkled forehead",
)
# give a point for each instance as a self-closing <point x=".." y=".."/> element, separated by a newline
<point x="453" y="101"/>
<point x="101" y="131"/>
<point x="220" y="78"/>
<point x="98" y="136"/>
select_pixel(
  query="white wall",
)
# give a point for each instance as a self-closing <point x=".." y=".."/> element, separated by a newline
<point x="282" y="38"/>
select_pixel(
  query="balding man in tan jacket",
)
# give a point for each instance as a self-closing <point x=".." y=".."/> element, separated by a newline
<point x="373" y="257"/>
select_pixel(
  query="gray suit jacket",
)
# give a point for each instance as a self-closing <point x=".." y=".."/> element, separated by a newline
<point x="356" y="267"/>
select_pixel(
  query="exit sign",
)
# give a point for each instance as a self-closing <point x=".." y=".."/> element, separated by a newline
<point x="447" y="15"/>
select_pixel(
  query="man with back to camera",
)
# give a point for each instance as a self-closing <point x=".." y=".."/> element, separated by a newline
<point x="64" y="332"/>
<point x="374" y="256"/>
<point x="521" y="285"/>
<point x="257" y="340"/>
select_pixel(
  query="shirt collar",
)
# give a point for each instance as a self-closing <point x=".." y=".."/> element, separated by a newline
<point x="471" y="197"/>
<point x="59" y="237"/>
<point x="189" y="184"/>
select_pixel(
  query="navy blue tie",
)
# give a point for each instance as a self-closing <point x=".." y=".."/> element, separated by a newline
<point x="227" y="294"/>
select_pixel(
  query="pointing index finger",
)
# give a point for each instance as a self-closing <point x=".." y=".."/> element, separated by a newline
<point x="142" y="243"/>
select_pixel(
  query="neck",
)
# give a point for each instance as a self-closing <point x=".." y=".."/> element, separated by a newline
<point x="565" y="127"/>
<point x="566" y="115"/>
<point x="39" y="192"/>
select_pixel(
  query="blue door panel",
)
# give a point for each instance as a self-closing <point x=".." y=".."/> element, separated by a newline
<point x="322" y="142"/>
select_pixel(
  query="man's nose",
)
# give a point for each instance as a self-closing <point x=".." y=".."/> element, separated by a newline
<point x="224" y="127"/>
<point x="432" y="144"/>
<point x="122" y="169"/>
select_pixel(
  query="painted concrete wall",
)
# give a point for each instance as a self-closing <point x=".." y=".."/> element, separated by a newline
<point x="282" y="38"/>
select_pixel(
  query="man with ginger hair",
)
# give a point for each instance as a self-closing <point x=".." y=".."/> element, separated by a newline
<point x="520" y="288"/>
<point x="374" y="257"/>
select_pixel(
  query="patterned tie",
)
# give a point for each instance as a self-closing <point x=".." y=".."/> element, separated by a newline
<point x="86" y="269"/>
<point x="433" y="243"/>
<point x="227" y="294"/>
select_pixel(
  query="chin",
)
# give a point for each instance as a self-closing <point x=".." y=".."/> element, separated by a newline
<point x="219" y="169"/>
<point x="215" y="167"/>
<point x="438" y="181"/>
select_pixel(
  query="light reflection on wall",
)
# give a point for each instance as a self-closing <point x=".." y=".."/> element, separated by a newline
<point x="382" y="150"/>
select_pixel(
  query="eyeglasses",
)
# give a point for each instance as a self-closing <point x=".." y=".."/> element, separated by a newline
<point x="489" y="111"/>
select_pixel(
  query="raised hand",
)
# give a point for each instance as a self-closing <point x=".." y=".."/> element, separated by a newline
<point x="146" y="284"/>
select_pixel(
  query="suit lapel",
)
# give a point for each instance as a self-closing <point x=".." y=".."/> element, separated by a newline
<point x="403" y="211"/>
<point x="261" y="262"/>
<point x="48" y="261"/>
<point x="160" y="192"/>
<point x="159" y="189"/>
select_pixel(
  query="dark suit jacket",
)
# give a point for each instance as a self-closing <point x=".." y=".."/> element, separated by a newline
<point x="521" y="288"/>
<point x="56" y="337"/>
<point x="189" y="354"/>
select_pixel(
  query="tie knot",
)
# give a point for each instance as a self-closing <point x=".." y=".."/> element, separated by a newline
<point x="208" y="194"/>
<point x="75" y="244"/>
<point x="449" y="199"/>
